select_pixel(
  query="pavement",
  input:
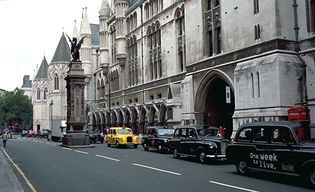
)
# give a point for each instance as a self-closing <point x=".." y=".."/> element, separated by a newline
<point x="8" y="179"/>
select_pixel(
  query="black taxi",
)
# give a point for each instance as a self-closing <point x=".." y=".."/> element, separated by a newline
<point x="200" y="142"/>
<point x="157" y="137"/>
<point x="274" y="146"/>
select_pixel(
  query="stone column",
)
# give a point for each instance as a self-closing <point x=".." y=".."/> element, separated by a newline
<point x="76" y="120"/>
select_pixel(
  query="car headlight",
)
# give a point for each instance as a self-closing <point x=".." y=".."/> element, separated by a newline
<point x="212" y="145"/>
<point x="165" y="140"/>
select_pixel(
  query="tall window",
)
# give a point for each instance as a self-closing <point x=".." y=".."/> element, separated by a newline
<point x="212" y="11"/>
<point x="45" y="93"/>
<point x="154" y="47"/>
<point x="132" y="60"/>
<point x="114" y="80"/>
<point x="113" y="43"/>
<point x="258" y="84"/>
<point x="257" y="32"/>
<point x="312" y="15"/>
<point x="253" y="87"/>
<point x="256" y="6"/>
<point x="180" y="31"/>
<point x="38" y="94"/>
<point x="56" y="82"/>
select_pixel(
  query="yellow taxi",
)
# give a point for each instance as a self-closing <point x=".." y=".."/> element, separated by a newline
<point x="121" y="136"/>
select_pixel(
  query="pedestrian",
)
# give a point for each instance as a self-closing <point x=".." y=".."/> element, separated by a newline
<point x="222" y="131"/>
<point x="4" y="138"/>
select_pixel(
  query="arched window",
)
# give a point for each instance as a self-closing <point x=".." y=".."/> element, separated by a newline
<point x="154" y="48"/>
<point x="56" y="82"/>
<point x="45" y="93"/>
<point x="38" y="94"/>
<point x="212" y="28"/>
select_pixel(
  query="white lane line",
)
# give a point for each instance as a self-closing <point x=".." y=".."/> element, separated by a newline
<point x="156" y="169"/>
<point x="232" y="186"/>
<point x="101" y="156"/>
<point x="32" y="188"/>
<point x="69" y="149"/>
<point x="83" y="152"/>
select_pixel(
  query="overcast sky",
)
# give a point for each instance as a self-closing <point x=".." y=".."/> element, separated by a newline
<point x="31" y="29"/>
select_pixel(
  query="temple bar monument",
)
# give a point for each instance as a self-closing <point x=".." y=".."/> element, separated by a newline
<point x="76" y="135"/>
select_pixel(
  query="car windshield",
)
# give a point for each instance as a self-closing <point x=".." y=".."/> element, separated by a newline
<point x="166" y="132"/>
<point x="124" y="131"/>
<point x="209" y="132"/>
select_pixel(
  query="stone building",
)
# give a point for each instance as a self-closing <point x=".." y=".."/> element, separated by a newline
<point x="27" y="86"/>
<point x="214" y="62"/>
<point x="208" y="62"/>
<point x="49" y="85"/>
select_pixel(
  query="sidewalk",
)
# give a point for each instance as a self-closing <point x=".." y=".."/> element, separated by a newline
<point x="8" y="180"/>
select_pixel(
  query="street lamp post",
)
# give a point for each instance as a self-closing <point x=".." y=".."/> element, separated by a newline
<point x="109" y="101"/>
<point x="51" y="114"/>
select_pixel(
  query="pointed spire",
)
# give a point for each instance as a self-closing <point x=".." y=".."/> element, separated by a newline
<point x="105" y="9"/>
<point x="75" y="30"/>
<point x="42" y="72"/>
<point x="62" y="52"/>
<point x="85" y="25"/>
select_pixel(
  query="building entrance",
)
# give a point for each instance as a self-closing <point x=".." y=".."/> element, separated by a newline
<point x="215" y="100"/>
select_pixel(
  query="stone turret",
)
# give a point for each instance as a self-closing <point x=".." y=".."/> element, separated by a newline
<point x="86" y="47"/>
<point x="121" y="30"/>
<point x="104" y="14"/>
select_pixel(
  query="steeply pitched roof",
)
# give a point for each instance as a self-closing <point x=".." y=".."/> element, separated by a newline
<point x="43" y="70"/>
<point x="95" y="29"/>
<point x="62" y="52"/>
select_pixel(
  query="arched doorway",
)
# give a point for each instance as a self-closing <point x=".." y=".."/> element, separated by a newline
<point x="215" y="100"/>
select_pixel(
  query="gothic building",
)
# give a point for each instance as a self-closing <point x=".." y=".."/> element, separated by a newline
<point x="213" y="62"/>
<point x="49" y="85"/>
<point x="208" y="62"/>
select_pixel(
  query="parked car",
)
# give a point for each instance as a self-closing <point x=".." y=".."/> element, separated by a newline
<point x="200" y="142"/>
<point x="44" y="133"/>
<point x="276" y="146"/>
<point x="121" y="136"/>
<point x="157" y="138"/>
<point x="31" y="133"/>
<point x="96" y="136"/>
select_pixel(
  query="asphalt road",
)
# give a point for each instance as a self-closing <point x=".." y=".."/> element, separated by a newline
<point x="48" y="167"/>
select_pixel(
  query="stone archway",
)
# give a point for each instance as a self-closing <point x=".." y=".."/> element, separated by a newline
<point x="215" y="100"/>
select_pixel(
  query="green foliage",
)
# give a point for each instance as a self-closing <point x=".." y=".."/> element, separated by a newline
<point x="15" y="107"/>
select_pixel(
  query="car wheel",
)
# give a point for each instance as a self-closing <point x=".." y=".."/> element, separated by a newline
<point x="175" y="154"/>
<point x="135" y="146"/>
<point x="108" y="145"/>
<point x="117" y="143"/>
<point x="202" y="157"/>
<point x="145" y="147"/>
<point x="310" y="176"/>
<point x="241" y="167"/>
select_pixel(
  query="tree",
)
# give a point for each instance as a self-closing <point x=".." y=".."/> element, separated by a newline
<point x="16" y="109"/>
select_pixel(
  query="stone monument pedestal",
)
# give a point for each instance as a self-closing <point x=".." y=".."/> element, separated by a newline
<point x="76" y="135"/>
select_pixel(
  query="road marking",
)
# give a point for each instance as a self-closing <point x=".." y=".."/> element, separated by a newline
<point x="101" y="156"/>
<point x="20" y="171"/>
<point x="67" y="148"/>
<point x="156" y="169"/>
<point x="83" y="152"/>
<point x="232" y="186"/>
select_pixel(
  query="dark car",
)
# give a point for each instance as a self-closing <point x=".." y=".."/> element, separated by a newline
<point x="276" y="146"/>
<point x="200" y="142"/>
<point x="96" y="136"/>
<point x="157" y="138"/>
